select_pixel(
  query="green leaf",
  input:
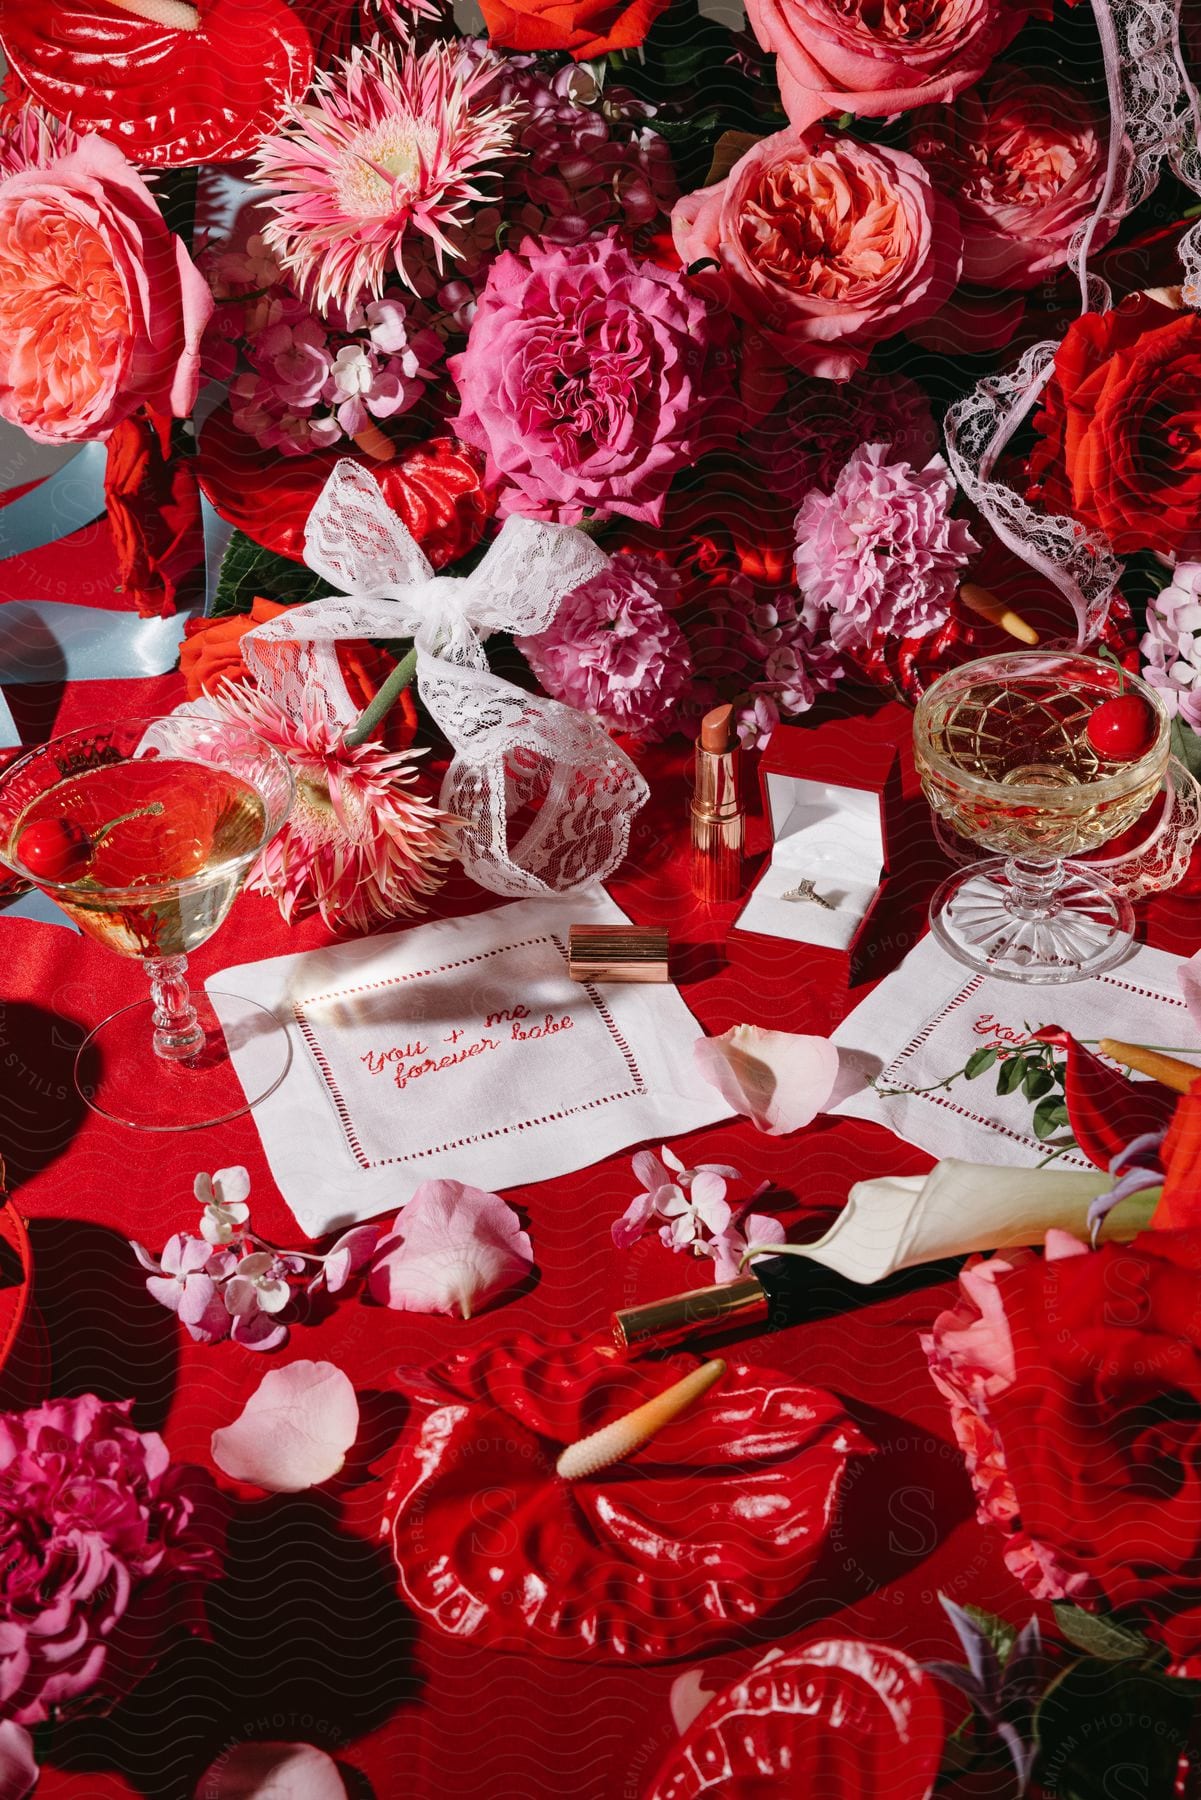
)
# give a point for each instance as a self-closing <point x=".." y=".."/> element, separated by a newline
<point x="681" y="131"/>
<point x="1113" y="1728"/>
<point x="1039" y="1081"/>
<point x="1012" y="1074"/>
<point x="1186" y="745"/>
<point x="1049" y="1115"/>
<point x="977" y="1062"/>
<point x="999" y="1632"/>
<point x="1100" y="1636"/>
<point x="247" y="569"/>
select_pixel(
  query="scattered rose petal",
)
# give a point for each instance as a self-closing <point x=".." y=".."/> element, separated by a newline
<point x="452" y="1247"/>
<point x="1190" y="984"/>
<point x="18" y="1769"/>
<point x="293" y="1432"/>
<point x="272" y="1772"/>
<point x="779" y="1079"/>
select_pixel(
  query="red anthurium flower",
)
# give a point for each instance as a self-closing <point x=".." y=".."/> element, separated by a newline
<point x="1106" y="1109"/>
<point x="435" y="487"/>
<point x="841" y="1719"/>
<point x="1180" y="1203"/>
<point x="169" y="81"/>
<point x="716" y="1519"/>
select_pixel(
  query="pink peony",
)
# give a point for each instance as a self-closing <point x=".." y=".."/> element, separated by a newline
<point x="806" y="441"/>
<point x="827" y="245"/>
<point x="586" y="380"/>
<point x="879" y="57"/>
<point x="1024" y="162"/>
<point x="882" y="554"/>
<point x="100" y="1533"/>
<point x="101" y="308"/>
<point x="614" y="651"/>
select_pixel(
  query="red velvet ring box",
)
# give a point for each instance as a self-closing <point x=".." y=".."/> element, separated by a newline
<point x="834" y="823"/>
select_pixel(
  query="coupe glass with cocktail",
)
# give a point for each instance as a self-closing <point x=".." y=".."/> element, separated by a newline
<point x="143" y="833"/>
<point x="1040" y="756"/>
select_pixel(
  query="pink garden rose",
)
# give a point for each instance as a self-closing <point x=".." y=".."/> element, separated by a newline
<point x="827" y="245"/>
<point x="101" y="308"/>
<point x="1024" y="162"/>
<point x="586" y="380"/>
<point x="877" y="59"/>
<point x="100" y="1538"/>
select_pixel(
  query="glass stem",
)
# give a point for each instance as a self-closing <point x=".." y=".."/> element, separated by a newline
<point x="178" y="1033"/>
<point x="1034" y="886"/>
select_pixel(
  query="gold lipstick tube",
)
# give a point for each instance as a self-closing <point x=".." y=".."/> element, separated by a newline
<point x="718" y="819"/>
<point x="661" y="1324"/>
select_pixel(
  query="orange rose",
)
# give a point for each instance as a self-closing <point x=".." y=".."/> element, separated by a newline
<point x="212" y="652"/>
<point x="586" y="28"/>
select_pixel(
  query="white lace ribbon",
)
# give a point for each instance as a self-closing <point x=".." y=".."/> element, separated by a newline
<point x="514" y="752"/>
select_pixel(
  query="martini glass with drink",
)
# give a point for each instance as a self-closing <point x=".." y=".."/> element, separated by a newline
<point x="1040" y="756"/>
<point x="143" y="833"/>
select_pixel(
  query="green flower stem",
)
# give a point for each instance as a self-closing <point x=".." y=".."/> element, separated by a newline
<point x="373" y="714"/>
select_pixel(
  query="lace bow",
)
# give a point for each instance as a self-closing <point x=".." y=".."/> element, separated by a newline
<point x="513" y="751"/>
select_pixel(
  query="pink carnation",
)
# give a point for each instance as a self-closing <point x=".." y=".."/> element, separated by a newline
<point x="879" y="57"/>
<point x="882" y="552"/>
<point x="101" y="308"/>
<point x="101" y="1538"/>
<point x="971" y="1360"/>
<point x="1024" y="162"/>
<point x="614" y="651"/>
<point x="825" y="245"/>
<point x="586" y="380"/>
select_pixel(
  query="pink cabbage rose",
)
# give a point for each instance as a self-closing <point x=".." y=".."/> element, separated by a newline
<point x="877" y="59"/>
<point x="1024" y="162"/>
<point x="100" y="1537"/>
<point x="586" y="380"/>
<point x="827" y="245"/>
<point x="101" y="308"/>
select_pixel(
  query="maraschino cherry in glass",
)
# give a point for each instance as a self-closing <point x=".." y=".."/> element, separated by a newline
<point x="1040" y="756"/>
<point x="143" y="833"/>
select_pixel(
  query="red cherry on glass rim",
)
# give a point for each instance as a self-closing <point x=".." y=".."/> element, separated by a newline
<point x="1122" y="729"/>
<point x="55" y="849"/>
<point x="838" y="1720"/>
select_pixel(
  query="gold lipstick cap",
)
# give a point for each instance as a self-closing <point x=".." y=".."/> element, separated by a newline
<point x="660" y="1324"/>
<point x="617" y="953"/>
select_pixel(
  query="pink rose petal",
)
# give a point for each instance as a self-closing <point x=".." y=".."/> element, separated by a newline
<point x="18" y="1769"/>
<point x="779" y="1079"/>
<point x="272" y="1772"/>
<point x="293" y="1432"/>
<point x="452" y="1247"/>
<point x="1190" y="984"/>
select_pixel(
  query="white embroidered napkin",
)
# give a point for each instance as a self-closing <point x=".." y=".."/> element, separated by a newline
<point x="461" y="1049"/>
<point x="925" y="1019"/>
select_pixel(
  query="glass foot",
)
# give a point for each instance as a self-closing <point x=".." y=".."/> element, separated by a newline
<point x="1083" y="927"/>
<point x="119" y="1075"/>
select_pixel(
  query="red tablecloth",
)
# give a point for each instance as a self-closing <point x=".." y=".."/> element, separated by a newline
<point x="310" y="1640"/>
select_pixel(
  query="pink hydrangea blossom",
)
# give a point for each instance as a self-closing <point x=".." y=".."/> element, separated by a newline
<point x="692" y="1212"/>
<point x="614" y="650"/>
<point x="102" y="1537"/>
<point x="882" y="552"/>
<point x="773" y="648"/>
<point x="586" y="380"/>
<point x="1171" y="647"/>
<point x="187" y="1280"/>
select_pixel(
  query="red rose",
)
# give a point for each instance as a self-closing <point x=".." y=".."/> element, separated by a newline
<point x="587" y="28"/>
<point x="1083" y="1376"/>
<point x="153" y="510"/>
<point x="1120" y="447"/>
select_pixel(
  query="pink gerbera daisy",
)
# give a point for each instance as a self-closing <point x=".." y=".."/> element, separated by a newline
<point x="387" y="144"/>
<point x="360" y="844"/>
<point x="31" y="140"/>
